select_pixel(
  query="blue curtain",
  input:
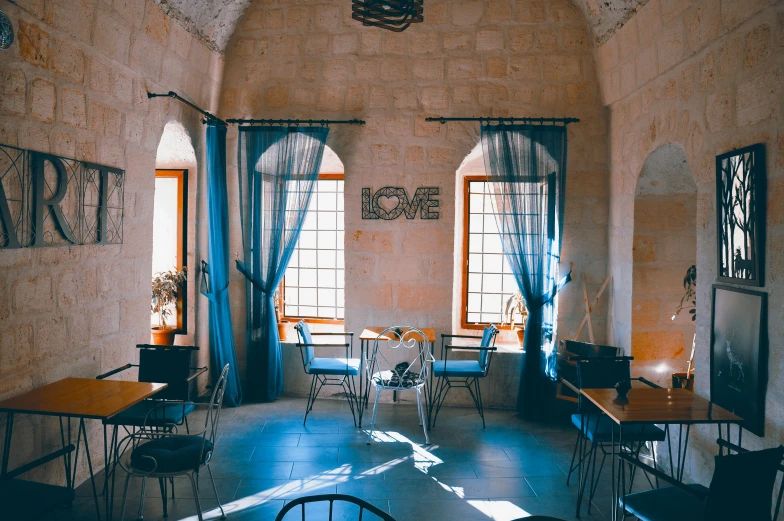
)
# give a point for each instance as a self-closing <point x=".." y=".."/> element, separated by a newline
<point x="526" y="165"/>
<point x="278" y="170"/>
<point x="215" y="275"/>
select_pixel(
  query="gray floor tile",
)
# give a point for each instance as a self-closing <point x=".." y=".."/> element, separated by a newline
<point x="479" y="488"/>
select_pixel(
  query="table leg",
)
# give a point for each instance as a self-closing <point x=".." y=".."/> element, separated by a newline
<point x="9" y="426"/>
<point x="363" y="361"/>
<point x="82" y="431"/>
<point x="613" y="461"/>
<point x="66" y="457"/>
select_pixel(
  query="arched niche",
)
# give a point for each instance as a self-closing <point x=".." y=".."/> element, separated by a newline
<point x="664" y="247"/>
<point x="174" y="216"/>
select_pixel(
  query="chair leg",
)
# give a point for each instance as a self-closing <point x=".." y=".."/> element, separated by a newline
<point x="443" y="390"/>
<point x="215" y="489"/>
<point x="422" y="420"/>
<point x="479" y="398"/>
<point x="162" y="484"/>
<point x="311" y="398"/>
<point x="195" y="487"/>
<point x="125" y="496"/>
<point x="140" y="514"/>
<point x="375" y="409"/>
<point x="574" y="453"/>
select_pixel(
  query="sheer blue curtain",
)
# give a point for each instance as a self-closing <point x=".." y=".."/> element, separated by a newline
<point x="215" y="275"/>
<point x="278" y="170"/>
<point x="526" y="165"/>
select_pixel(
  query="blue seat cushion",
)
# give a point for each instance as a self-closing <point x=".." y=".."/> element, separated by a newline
<point x="457" y="368"/>
<point x="164" y="414"/>
<point x="334" y="366"/>
<point x="666" y="504"/>
<point x="171" y="453"/>
<point x="599" y="428"/>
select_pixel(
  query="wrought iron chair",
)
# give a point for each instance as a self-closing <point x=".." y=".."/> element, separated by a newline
<point x="403" y="376"/>
<point x="596" y="428"/>
<point x="327" y="371"/>
<point x="333" y="499"/>
<point x="742" y="488"/>
<point x="169" y="455"/>
<point x="464" y="373"/>
<point x="162" y="364"/>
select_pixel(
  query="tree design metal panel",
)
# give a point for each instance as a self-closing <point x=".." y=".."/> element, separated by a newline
<point x="740" y="214"/>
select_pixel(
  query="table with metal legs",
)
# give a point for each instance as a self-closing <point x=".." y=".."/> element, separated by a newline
<point x="78" y="399"/>
<point x="668" y="407"/>
<point x="366" y="339"/>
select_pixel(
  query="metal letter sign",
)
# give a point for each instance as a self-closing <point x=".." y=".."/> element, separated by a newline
<point x="373" y="207"/>
<point x="47" y="200"/>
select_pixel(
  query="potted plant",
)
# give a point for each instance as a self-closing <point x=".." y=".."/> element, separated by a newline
<point x="165" y="288"/>
<point x="515" y="309"/>
<point x="689" y="302"/>
<point x="281" y="322"/>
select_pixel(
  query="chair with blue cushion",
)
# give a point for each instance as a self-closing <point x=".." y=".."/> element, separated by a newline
<point x="325" y="370"/>
<point x="598" y="432"/>
<point x="464" y="373"/>
<point x="742" y="488"/>
<point x="155" y="454"/>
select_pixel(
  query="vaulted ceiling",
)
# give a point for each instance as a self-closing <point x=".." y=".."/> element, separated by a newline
<point x="213" y="21"/>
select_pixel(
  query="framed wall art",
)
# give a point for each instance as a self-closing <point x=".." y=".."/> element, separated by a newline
<point x="739" y="354"/>
<point x="740" y="215"/>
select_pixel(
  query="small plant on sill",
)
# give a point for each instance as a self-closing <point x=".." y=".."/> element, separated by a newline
<point x="165" y="289"/>
<point x="515" y="309"/>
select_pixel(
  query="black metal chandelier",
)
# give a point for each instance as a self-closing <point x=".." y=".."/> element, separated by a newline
<point x="393" y="15"/>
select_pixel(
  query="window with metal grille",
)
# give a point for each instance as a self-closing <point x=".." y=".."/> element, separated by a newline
<point x="313" y="286"/>
<point x="487" y="278"/>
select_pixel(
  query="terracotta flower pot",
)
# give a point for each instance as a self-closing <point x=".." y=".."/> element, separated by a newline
<point x="282" y="330"/>
<point x="163" y="336"/>
<point x="520" y="336"/>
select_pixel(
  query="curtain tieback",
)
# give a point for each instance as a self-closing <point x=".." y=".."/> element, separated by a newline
<point x="258" y="284"/>
<point x="204" y="286"/>
<point x="550" y="295"/>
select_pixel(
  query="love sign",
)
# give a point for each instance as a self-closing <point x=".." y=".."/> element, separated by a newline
<point x="389" y="203"/>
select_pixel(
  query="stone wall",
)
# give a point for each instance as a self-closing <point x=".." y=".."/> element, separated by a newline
<point x="705" y="75"/>
<point x="469" y="58"/>
<point x="74" y="84"/>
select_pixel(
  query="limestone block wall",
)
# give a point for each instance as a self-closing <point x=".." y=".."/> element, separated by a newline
<point x="309" y="59"/>
<point x="706" y="75"/>
<point x="74" y="84"/>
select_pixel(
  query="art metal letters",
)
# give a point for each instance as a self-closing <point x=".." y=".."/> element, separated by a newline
<point x="46" y="200"/>
<point x="378" y="205"/>
<point x="740" y="214"/>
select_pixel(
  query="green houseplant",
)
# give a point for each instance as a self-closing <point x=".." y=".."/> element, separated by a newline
<point x="165" y="290"/>
<point x="515" y="311"/>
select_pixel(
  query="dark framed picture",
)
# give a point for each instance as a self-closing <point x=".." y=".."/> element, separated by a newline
<point x="740" y="214"/>
<point x="739" y="353"/>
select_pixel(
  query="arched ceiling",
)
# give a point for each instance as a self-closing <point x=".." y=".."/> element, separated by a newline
<point x="213" y="21"/>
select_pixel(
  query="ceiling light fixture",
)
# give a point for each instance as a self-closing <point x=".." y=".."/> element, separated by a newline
<point x="6" y="32"/>
<point x="392" y="15"/>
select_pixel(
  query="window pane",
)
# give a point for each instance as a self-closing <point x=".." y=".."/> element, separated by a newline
<point x="320" y="252"/>
<point x="490" y="281"/>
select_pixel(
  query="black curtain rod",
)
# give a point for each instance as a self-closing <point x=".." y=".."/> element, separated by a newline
<point x="541" y="121"/>
<point x="172" y="94"/>
<point x="311" y="122"/>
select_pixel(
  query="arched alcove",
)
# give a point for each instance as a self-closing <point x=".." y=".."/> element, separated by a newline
<point x="664" y="248"/>
<point x="173" y="232"/>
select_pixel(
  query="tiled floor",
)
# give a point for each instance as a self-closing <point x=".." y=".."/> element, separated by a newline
<point x="265" y="456"/>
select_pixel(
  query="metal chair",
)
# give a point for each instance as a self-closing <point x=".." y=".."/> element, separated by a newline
<point x="403" y="376"/>
<point x="596" y="428"/>
<point x="464" y="373"/>
<point x="742" y="488"/>
<point x="162" y="364"/>
<point x="169" y="455"/>
<point x="327" y="371"/>
<point x="333" y="499"/>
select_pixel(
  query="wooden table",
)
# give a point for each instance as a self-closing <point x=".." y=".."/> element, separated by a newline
<point x="657" y="406"/>
<point x="82" y="398"/>
<point x="368" y="335"/>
